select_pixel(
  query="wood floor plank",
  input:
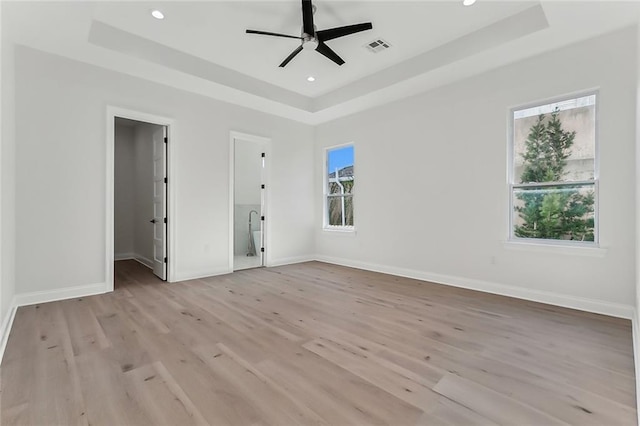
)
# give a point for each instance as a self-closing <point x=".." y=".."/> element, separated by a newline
<point x="127" y="350"/>
<point x="214" y="396"/>
<point x="105" y="391"/>
<point x="608" y="385"/>
<point x="560" y="400"/>
<point x="161" y="396"/>
<point x="52" y="358"/>
<point x="85" y="330"/>
<point x="566" y="340"/>
<point x="16" y="415"/>
<point x="133" y="307"/>
<point x="312" y="344"/>
<point x="273" y="409"/>
<point x="306" y="415"/>
<point x="493" y="405"/>
<point x="340" y="398"/>
<point x="403" y="384"/>
<point x="24" y="337"/>
<point x="601" y="380"/>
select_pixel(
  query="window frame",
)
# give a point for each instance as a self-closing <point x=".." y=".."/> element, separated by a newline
<point x="325" y="191"/>
<point x="512" y="185"/>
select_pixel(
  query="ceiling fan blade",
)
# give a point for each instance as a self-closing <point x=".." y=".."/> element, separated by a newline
<point x="326" y="51"/>
<point x="307" y="18"/>
<point x="272" y="34"/>
<point x="330" y="34"/>
<point x="290" y="57"/>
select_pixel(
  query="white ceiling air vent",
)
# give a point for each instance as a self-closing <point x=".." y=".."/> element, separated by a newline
<point x="377" y="45"/>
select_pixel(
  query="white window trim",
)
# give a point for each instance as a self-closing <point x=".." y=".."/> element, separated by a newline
<point x="535" y="243"/>
<point x="325" y="193"/>
<point x="555" y="247"/>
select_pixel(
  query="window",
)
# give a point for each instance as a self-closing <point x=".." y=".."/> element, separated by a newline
<point x="338" y="199"/>
<point x="554" y="179"/>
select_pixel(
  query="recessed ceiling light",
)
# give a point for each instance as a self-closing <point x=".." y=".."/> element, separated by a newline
<point x="311" y="78"/>
<point x="159" y="15"/>
<point x="468" y="2"/>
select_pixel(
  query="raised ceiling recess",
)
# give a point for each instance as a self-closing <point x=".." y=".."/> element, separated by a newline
<point x="202" y="46"/>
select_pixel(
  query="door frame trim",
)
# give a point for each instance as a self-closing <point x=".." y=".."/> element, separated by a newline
<point x="113" y="112"/>
<point x="266" y="236"/>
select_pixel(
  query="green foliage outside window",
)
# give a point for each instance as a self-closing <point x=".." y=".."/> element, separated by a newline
<point x="558" y="212"/>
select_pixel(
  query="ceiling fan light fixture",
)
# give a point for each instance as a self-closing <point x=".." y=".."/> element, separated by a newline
<point x="157" y="14"/>
<point x="468" y="2"/>
<point x="311" y="44"/>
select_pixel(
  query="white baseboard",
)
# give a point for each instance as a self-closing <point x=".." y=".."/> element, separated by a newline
<point x="224" y="271"/>
<point x="573" y="302"/>
<point x="5" y="328"/>
<point x="32" y="298"/>
<point x="144" y="261"/>
<point x="291" y="260"/>
<point x="133" y="256"/>
<point x="198" y="275"/>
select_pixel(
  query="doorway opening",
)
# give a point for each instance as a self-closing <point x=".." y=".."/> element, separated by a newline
<point x="140" y="194"/>
<point x="138" y="216"/>
<point x="248" y="204"/>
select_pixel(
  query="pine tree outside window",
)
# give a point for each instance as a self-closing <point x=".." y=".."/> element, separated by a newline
<point x="339" y="185"/>
<point x="553" y="174"/>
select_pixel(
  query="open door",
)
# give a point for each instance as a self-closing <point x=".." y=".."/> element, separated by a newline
<point x="248" y="201"/>
<point x="160" y="202"/>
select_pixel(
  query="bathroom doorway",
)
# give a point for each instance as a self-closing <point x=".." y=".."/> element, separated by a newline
<point x="249" y="196"/>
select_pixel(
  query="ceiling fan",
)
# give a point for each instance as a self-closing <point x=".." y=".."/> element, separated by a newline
<point x="312" y="39"/>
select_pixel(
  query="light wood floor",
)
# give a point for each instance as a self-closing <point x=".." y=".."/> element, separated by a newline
<point x="312" y="344"/>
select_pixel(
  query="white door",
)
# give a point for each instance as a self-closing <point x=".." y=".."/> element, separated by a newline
<point x="160" y="203"/>
<point x="263" y="195"/>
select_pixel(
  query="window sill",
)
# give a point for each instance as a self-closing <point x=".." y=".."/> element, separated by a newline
<point x="557" y="248"/>
<point x="340" y="230"/>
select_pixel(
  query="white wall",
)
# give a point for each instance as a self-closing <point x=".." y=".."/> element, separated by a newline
<point x="442" y="156"/>
<point x="143" y="186"/>
<point x="247" y="172"/>
<point x="636" y="323"/>
<point x="60" y="162"/>
<point x="124" y="191"/>
<point x="7" y="181"/>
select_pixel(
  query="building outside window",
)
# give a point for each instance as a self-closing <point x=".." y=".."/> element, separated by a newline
<point x="339" y="186"/>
